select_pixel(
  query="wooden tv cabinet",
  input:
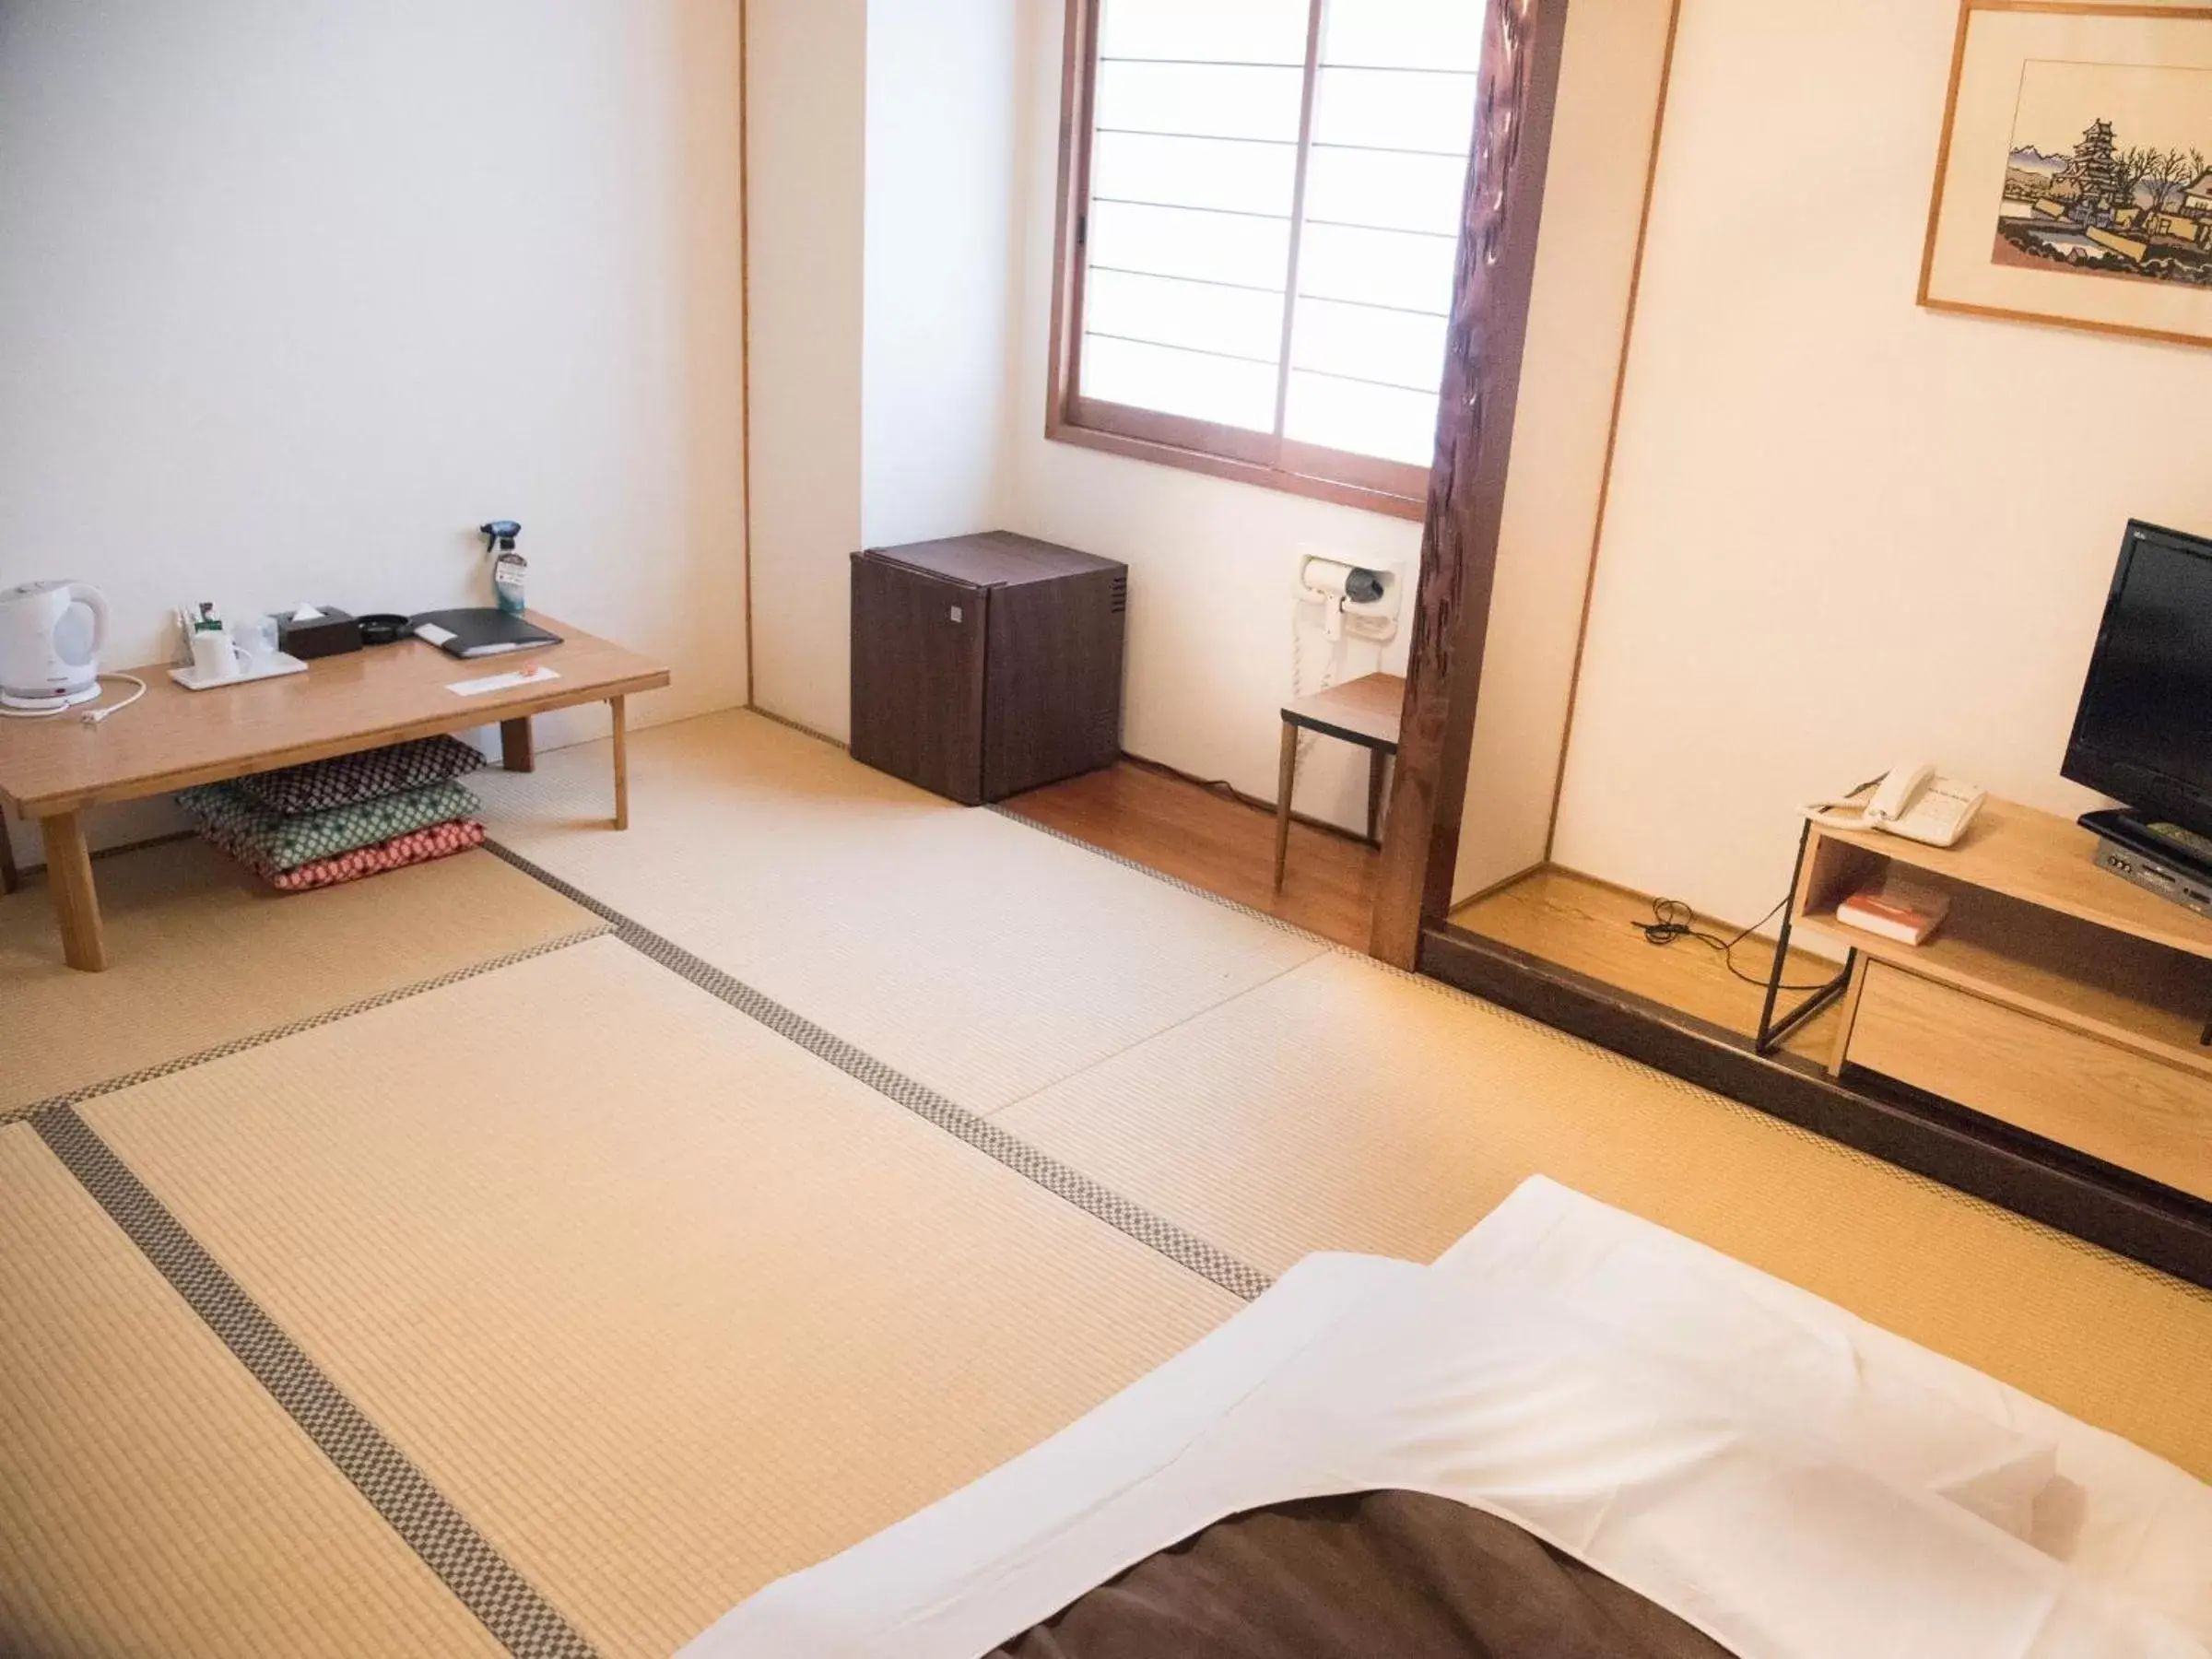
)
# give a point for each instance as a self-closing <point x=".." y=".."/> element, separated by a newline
<point x="2055" y="997"/>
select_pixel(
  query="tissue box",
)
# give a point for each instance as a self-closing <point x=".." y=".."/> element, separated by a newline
<point x="331" y="633"/>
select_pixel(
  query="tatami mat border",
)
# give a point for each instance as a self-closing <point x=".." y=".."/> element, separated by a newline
<point x="238" y="1045"/>
<point x="1156" y="1233"/>
<point x="491" y="1589"/>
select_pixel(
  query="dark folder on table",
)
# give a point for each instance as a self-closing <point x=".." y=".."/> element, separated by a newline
<point x="480" y="631"/>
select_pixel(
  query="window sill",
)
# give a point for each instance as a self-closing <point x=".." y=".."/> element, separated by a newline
<point x="1259" y="473"/>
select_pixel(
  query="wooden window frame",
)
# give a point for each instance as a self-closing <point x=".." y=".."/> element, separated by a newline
<point x="1395" y="488"/>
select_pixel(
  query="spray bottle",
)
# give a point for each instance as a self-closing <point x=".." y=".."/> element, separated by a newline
<point x="508" y="567"/>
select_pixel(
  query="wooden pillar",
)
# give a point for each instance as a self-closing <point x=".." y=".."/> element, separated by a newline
<point x="10" y="878"/>
<point x="1523" y="43"/>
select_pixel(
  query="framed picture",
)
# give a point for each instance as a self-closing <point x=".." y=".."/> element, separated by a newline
<point x="2074" y="182"/>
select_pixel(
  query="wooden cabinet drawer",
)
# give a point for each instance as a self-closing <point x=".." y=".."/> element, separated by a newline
<point x="2112" y="1102"/>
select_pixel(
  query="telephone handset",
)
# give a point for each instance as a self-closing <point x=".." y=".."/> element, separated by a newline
<point x="1912" y="802"/>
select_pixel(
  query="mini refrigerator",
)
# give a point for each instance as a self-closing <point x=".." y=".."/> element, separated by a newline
<point x="987" y="664"/>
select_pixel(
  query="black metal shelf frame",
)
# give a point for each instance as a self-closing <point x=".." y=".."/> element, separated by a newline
<point x="1773" y="1032"/>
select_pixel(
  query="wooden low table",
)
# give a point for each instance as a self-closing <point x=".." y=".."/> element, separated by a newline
<point x="1364" y="712"/>
<point x="52" y="770"/>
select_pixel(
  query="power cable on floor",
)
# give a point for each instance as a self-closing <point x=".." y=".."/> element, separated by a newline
<point x="1673" y="920"/>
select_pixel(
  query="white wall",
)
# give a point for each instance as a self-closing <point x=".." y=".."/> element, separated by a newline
<point x="942" y="107"/>
<point x="291" y="297"/>
<point x="901" y="275"/>
<point x="807" y="69"/>
<point x="1844" y="530"/>
<point x="883" y="216"/>
<point x="1213" y="564"/>
<point x="1601" y="146"/>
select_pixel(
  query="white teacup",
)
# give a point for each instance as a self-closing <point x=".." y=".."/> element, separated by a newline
<point x="216" y="657"/>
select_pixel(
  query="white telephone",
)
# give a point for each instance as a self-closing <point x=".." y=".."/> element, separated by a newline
<point x="1912" y="802"/>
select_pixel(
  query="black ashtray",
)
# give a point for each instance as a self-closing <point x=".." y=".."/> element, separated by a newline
<point x="384" y="628"/>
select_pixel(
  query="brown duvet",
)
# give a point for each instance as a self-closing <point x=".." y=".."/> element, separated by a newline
<point x="1375" y="1575"/>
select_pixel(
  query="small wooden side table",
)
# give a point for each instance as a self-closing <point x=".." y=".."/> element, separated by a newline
<point x="1363" y="712"/>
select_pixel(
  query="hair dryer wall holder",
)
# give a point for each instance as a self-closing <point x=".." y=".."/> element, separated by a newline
<point x="1356" y="601"/>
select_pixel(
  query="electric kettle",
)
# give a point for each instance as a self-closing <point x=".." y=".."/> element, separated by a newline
<point x="51" y="633"/>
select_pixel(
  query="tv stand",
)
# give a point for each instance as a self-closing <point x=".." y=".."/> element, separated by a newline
<point x="2056" y="997"/>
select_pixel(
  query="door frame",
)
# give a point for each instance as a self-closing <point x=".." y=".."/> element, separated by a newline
<point x="1523" y="42"/>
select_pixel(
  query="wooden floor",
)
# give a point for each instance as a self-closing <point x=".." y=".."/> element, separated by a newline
<point x="1226" y="847"/>
<point x="1592" y="928"/>
<point x="1183" y="830"/>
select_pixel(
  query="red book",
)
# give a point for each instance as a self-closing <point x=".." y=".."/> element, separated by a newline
<point x="1909" y="916"/>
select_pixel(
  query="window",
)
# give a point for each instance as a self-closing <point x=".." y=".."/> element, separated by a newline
<point x="1260" y="210"/>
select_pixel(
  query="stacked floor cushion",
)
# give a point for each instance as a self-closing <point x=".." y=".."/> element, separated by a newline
<point x="349" y="780"/>
<point x="339" y="819"/>
<point x="439" y="840"/>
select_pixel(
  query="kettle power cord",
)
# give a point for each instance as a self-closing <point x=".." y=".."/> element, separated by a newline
<point x="90" y="717"/>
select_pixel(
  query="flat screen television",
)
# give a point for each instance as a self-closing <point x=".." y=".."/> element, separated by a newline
<point x="2144" y="733"/>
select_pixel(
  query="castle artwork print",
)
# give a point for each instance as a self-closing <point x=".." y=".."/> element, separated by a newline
<point x="2110" y="172"/>
<point x="2073" y="178"/>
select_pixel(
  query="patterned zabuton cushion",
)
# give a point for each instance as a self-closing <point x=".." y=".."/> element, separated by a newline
<point x="348" y="780"/>
<point x="439" y="840"/>
<point x="274" y="843"/>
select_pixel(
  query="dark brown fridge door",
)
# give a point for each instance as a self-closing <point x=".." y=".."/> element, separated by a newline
<point x="1053" y="706"/>
<point x="918" y="677"/>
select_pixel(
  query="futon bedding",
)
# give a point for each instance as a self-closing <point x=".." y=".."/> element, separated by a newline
<point x="1398" y="1573"/>
<point x="1570" y="1421"/>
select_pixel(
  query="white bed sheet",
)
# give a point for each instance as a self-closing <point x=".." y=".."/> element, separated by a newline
<point x="2118" y="1514"/>
<point x="1742" y="1454"/>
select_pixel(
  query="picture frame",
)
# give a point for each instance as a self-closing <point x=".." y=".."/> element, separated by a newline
<point x="2074" y="180"/>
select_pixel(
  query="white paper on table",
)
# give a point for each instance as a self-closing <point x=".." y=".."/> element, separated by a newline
<point x="502" y="682"/>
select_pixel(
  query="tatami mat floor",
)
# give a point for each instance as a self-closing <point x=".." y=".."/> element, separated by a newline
<point x="1416" y="1110"/>
<point x="202" y="955"/>
<point x="153" y="1498"/>
<point x="970" y="951"/>
<point x="683" y="1307"/>
<point x="660" y="1303"/>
